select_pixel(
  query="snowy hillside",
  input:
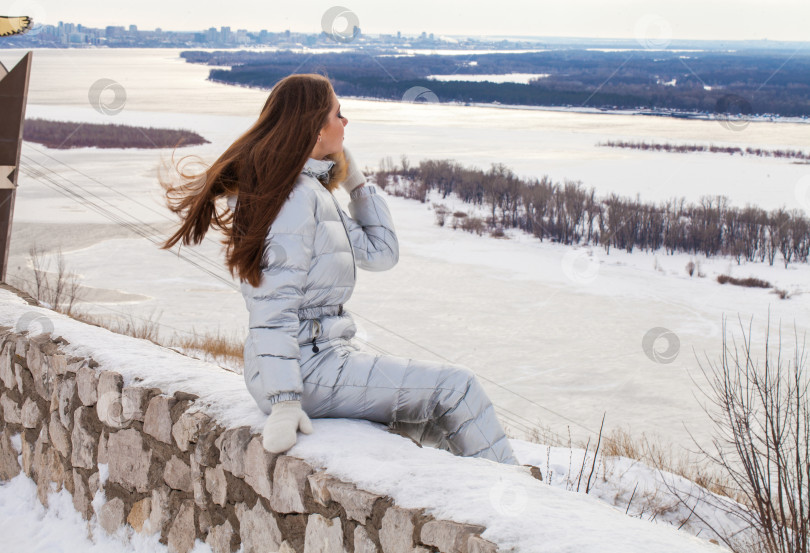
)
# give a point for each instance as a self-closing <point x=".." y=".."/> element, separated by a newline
<point x="519" y="511"/>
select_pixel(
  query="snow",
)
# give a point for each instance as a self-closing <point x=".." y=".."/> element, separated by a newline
<point x="28" y="526"/>
<point x="501" y="497"/>
<point x="500" y="78"/>
<point x="553" y="332"/>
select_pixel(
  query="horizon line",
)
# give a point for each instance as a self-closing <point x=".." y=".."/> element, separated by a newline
<point x="463" y="35"/>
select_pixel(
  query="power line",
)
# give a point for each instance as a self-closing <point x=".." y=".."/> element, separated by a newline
<point x="20" y="279"/>
<point x="41" y="175"/>
<point x="125" y="196"/>
<point x="116" y="311"/>
<point x="119" y="219"/>
<point x="131" y="316"/>
<point x="481" y="376"/>
<point x="506" y="412"/>
<point x="38" y="172"/>
<point x="132" y="226"/>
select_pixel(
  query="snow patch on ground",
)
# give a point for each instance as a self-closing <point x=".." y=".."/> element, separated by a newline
<point x="501" y="497"/>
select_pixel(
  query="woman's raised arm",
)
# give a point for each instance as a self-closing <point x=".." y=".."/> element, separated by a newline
<point x="371" y="228"/>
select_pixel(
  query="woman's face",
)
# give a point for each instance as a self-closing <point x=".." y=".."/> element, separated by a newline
<point x="331" y="135"/>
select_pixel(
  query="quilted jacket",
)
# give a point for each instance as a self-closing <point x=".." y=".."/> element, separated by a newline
<point x="309" y="270"/>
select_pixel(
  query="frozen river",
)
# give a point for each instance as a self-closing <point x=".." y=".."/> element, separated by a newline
<point x="555" y="335"/>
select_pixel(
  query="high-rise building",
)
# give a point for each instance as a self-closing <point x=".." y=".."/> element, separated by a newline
<point x="112" y="31"/>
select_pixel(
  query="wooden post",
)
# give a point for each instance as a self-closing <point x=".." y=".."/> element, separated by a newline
<point x="13" y="97"/>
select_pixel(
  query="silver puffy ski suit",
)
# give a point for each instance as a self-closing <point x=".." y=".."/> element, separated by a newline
<point x="300" y="340"/>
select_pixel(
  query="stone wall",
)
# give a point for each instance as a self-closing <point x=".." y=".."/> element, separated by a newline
<point x="156" y="462"/>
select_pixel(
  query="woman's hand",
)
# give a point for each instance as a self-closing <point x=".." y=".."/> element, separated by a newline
<point x="354" y="177"/>
<point x="281" y="428"/>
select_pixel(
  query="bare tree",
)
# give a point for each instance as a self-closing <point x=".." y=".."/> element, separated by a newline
<point x="566" y="213"/>
<point x="58" y="290"/>
<point x="782" y="234"/>
<point x="762" y="420"/>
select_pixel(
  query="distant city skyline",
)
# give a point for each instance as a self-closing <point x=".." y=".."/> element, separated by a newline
<point x="777" y="20"/>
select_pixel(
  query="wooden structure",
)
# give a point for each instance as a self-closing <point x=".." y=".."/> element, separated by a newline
<point x="13" y="96"/>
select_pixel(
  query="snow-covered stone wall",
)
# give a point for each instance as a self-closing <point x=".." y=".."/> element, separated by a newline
<point x="152" y="457"/>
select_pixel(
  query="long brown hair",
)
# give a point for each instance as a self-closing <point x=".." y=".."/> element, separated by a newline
<point x="261" y="167"/>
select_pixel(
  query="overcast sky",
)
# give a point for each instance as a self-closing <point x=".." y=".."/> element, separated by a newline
<point x="675" y="19"/>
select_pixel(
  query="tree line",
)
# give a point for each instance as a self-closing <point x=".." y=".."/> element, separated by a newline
<point x="570" y="214"/>
<point x="707" y="82"/>
<point x="711" y="148"/>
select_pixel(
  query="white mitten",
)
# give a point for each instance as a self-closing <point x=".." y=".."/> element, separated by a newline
<point x="281" y="428"/>
<point x="355" y="177"/>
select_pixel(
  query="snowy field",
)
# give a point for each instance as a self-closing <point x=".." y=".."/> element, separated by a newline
<point x="555" y="333"/>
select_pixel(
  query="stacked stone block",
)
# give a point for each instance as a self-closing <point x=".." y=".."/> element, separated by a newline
<point x="167" y="468"/>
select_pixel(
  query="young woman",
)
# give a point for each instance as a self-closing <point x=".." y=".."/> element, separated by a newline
<point x="295" y="252"/>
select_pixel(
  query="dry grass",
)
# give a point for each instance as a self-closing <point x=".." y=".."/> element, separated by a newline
<point x="216" y="345"/>
<point x="653" y="453"/>
<point x="147" y="329"/>
<point x="620" y="443"/>
<point x="58" y="291"/>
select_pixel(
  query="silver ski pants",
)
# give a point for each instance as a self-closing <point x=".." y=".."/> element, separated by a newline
<point x="436" y="404"/>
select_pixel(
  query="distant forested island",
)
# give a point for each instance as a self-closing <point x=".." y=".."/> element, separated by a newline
<point x="670" y="81"/>
<point x="65" y="135"/>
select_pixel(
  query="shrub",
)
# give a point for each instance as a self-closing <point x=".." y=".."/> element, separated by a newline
<point x="473" y="224"/>
<point x="747" y="282"/>
<point x="783" y="294"/>
<point x="441" y="213"/>
<point x="762" y="421"/>
<point x="690" y="268"/>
